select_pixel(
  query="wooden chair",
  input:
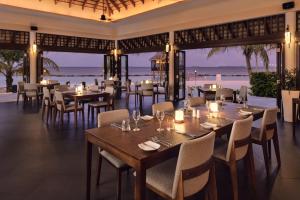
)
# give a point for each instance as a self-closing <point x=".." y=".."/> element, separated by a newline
<point x="130" y="92"/>
<point x="105" y="119"/>
<point x="187" y="175"/>
<point x="163" y="106"/>
<point x="196" y="101"/>
<point x="267" y="133"/>
<point x="47" y="105"/>
<point x="243" y="93"/>
<point x="21" y="91"/>
<point x="239" y="147"/>
<point x="161" y="90"/>
<point x="146" y="91"/>
<point x="62" y="108"/>
<point x="226" y="92"/>
<point x="107" y="102"/>
<point x="31" y="93"/>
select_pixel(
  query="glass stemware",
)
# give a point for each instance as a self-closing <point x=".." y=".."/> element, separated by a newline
<point x="136" y="117"/>
<point x="160" y="115"/>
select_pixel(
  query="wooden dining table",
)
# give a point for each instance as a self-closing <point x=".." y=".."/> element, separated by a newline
<point x="124" y="145"/>
<point x="80" y="96"/>
<point x="212" y="92"/>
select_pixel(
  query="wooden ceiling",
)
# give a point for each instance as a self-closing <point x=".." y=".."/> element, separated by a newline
<point x="108" y="6"/>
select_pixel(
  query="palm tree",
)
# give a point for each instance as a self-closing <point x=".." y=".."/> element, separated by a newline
<point x="11" y="63"/>
<point x="260" y="51"/>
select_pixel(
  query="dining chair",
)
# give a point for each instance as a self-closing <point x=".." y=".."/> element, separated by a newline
<point x="31" y="92"/>
<point x="109" y="83"/>
<point x="239" y="147"/>
<point x="196" y="101"/>
<point x="105" y="119"/>
<point x="48" y="104"/>
<point x="107" y="102"/>
<point x="61" y="88"/>
<point x="267" y="133"/>
<point x="226" y="92"/>
<point x="188" y="174"/>
<point x="163" y="106"/>
<point x="130" y="92"/>
<point x="146" y="91"/>
<point x="243" y="94"/>
<point x="62" y="108"/>
<point x="21" y="91"/>
<point x="161" y="90"/>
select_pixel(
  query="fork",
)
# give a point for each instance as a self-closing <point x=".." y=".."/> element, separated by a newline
<point x="165" y="143"/>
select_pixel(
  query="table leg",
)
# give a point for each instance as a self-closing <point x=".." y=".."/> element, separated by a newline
<point x="198" y="93"/>
<point x="75" y="112"/>
<point x="88" y="170"/>
<point x="140" y="183"/>
<point x="294" y="117"/>
<point x="141" y="104"/>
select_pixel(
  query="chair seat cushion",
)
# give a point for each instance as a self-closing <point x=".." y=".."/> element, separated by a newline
<point x="98" y="103"/>
<point x="161" y="177"/>
<point x="161" y="90"/>
<point x="220" y="149"/>
<point x="112" y="159"/>
<point x="72" y="107"/>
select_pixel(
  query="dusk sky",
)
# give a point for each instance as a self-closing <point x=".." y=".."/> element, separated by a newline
<point x="197" y="57"/>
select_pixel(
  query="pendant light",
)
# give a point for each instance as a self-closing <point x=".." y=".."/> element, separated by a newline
<point x="103" y="17"/>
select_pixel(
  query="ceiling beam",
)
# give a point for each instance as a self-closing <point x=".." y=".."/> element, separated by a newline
<point x="115" y="5"/>
<point x="83" y="5"/>
<point x="70" y="3"/>
<point x="96" y="5"/>
<point x="143" y="1"/>
<point x="132" y="2"/>
<point x="110" y="11"/>
<point x="124" y="4"/>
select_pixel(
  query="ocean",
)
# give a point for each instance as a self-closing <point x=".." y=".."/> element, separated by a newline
<point x="78" y="74"/>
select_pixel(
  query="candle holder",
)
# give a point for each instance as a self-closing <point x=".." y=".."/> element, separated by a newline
<point x="179" y="116"/>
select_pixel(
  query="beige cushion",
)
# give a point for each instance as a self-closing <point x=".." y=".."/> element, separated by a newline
<point x="161" y="176"/>
<point x="112" y="159"/>
<point x="220" y="149"/>
<point x="163" y="106"/>
<point x="98" y="103"/>
<point x="196" y="101"/>
<point x="72" y="107"/>
<point x="287" y="97"/>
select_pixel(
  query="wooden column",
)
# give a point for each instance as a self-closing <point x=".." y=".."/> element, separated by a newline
<point x="171" y="66"/>
<point x="33" y="58"/>
<point x="290" y="49"/>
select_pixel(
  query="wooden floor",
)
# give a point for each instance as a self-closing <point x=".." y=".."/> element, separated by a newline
<point x="40" y="162"/>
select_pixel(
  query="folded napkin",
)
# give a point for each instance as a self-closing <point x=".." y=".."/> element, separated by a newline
<point x="149" y="146"/>
<point x="147" y="117"/>
<point x="208" y="125"/>
<point x="243" y="112"/>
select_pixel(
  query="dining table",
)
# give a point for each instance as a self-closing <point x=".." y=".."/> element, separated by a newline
<point x="124" y="145"/>
<point x="76" y="96"/>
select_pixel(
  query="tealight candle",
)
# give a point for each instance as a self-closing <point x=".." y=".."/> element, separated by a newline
<point x="179" y="116"/>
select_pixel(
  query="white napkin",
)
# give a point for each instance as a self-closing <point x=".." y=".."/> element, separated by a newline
<point x="208" y="125"/>
<point x="146" y="117"/>
<point x="243" y="112"/>
<point x="149" y="146"/>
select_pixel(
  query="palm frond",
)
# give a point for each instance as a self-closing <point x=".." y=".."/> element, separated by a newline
<point x="50" y="64"/>
<point x="216" y="50"/>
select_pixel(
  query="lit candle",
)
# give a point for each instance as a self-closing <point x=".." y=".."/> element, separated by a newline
<point x="214" y="107"/>
<point x="179" y="116"/>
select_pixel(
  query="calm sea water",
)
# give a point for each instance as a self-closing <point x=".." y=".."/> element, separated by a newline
<point x="88" y="74"/>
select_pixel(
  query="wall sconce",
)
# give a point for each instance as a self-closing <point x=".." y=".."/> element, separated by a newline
<point x="288" y="36"/>
<point x="179" y="116"/>
<point x="34" y="47"/>
<point x="168" y="47"/>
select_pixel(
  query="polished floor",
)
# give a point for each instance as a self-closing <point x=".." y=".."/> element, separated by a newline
<point x="44" y="162"/>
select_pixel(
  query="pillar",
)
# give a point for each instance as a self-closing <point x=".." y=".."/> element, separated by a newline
<point x="33" y="58"/>
<point x="171" y="66"/>
<point x="290" y="49"/>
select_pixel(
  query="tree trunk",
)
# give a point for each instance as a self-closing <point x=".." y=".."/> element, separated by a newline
<point x="9" y="82"/>
<point x="248" y="63"/>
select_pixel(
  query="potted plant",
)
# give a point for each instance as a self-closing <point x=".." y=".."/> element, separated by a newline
<point x="288" y="93"/>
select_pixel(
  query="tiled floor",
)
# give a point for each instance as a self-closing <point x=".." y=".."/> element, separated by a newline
<point x="46" y="162"/>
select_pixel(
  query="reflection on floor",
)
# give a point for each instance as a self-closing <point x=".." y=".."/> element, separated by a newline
<point x="46" y="162"/>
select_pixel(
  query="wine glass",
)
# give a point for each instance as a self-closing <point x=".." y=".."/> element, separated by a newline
<point x="222" y="98"/>
<point x="160" y="115"/>
<point x="239" y="99"/>
<point x="136" y="117"/>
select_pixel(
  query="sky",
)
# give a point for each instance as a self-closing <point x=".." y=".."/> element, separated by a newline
<point x="197" y="57"/>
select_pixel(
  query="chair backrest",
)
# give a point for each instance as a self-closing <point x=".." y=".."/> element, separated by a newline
<point x="110" y="90"/>
<point x="226" y="92"/>
<point x="46" y="96"/>
<point x="204" y="147"/>
<point x="207" y="85"/>
<point x="21" y="86"/>
<point x="239" y="138"/>
<point x="109" y="83"/>
<point x="52" y="81"/>
<point x="269" y="118"/>
<point x="163" y="106"/>
<point x="94" y="88"/>
<point x="128" y="85"/>
<point x="106" y="118"/>
<point x="61" y="88"/>
<point x="287" y="96"/>
<point x="96" y="81"/>
<point x="196" y="101"/>
<point x="243" y="92"/>
<point x="147" y="89"/>
<point x="59" y="100"/>
<point x="30" y="89"/>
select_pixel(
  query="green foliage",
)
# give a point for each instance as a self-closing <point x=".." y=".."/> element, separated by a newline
<point x="290" y="80"/>
<point x="264" y="84"/>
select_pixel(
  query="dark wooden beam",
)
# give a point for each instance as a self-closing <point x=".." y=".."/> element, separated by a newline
<point x="96" y="5"/>
<point x="70" y="3"/>
<point x="110" y="11"/>
<point x="143" y="1"/>
<point x="83" y="4"/>
<point x="115" y="5"/>
<point x="132" y="2"/>
<point x="124" y="4"/>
